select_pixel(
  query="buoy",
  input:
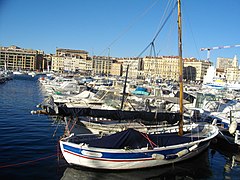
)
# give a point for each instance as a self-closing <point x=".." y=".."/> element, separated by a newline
<point x="214" y="122"/>
<point x="233" y="127"/>
<point x="33" y="112"/>
<point x="193" y="147"/>
<point x="158" y="156"/>
<point x="182" y="152"/>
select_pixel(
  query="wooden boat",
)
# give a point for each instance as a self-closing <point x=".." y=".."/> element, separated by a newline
<point x="132" y="149"/>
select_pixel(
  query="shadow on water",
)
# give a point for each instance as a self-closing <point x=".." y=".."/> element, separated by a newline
<point x="196" y="168"/>
<point x="26" y="77"/>
<point x="224" y="147"/>
<point x="228" y="155"/>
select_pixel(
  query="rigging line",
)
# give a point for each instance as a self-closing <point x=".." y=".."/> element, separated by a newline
<point x="225" y="137"/>
<point x="168" y="37"/>
<point x="159" y="30"/>
<point x="164" y="14"/>
<point x="154" y="49"/>
<point x="151" y="49"/>
<point x="164" y="22"/>
<point x="56" y="129"/>
<point x="131" y="25"/>
<point x="73" y="124"/>
<point x="194" y="40"/>
<point x="144" y="50"/>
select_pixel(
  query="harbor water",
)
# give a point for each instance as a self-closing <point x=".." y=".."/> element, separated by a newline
<point x="29" y="146"/>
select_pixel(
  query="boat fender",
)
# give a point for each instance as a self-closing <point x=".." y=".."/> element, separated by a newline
<point x="233" y="127"/>
<point x="214" y="122"/>
<point x="193" y="147"/>
<point x="39" y="112"/>
<point x="158" y="156"/>
<point x="33" y="112"/>
<point x="182" y="152"/>
<point x="127" y="148"/>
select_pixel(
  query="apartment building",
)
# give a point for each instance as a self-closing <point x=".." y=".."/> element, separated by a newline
<point x="223" y="63"/>
<point x="195" y="69"/>
<point x="228" y="69"/>
<point x="167" y="67"/>
<point x="102" y="65"/>
<point x="232" y="75"/>
<point x="71" y="60"/>
<point x="16" y="58"/>
<point x="164" y="67"/>
<point x="134" y="64"/>
<point x="116" y="69"/>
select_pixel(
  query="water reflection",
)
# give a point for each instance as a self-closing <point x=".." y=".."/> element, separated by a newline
<point x="197" y="168"/>
<point x="230" y="155"/>
<point x="231" y="152"/>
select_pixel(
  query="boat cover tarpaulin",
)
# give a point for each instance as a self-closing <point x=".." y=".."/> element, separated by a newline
<point x="133" y="139"/>
<point x="129" y="138"/>
<point x="150" y="117"/>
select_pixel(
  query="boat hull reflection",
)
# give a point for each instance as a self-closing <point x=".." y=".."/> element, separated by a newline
<point x="195" y="168"/>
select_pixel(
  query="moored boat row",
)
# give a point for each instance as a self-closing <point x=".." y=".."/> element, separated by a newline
<point x="131" y="148"/>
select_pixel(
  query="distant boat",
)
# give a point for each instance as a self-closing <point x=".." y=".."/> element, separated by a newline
<point x="32" y="74"/>
<point x="141" y="91"/>
<point x="227" y="119"/>
<point x="17" y="73"/>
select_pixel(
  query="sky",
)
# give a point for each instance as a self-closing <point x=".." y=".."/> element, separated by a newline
<point x="122" y="28"/>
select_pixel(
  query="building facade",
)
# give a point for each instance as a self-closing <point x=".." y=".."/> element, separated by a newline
<point x="16" y="58"/>
<point x="232" y="75"/>
<point x="163" y="67"/>
<point x="198" y="69"/>
<point x="134" y="66"/>
<point x="102" y="65"/>
<point x="70" y="60"/>
<point x="223" y="63"/>
<point x="116" y="69"/>
<point x="167" y="68"/>
<point x="228" y="69"/>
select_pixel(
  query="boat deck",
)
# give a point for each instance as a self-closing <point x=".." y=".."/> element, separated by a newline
<point x="133" y="139"/>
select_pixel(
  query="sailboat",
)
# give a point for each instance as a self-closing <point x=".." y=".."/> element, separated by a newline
<point x="132" y="149"/>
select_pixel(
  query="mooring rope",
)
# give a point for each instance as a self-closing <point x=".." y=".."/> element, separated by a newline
<point x="225" y="137"/>
<point x="28" y="162"/>
<point x="149" y="140"/>
<point x="58" y="154"/>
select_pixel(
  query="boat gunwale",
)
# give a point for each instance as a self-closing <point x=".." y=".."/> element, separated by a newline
<point x="84" y="146"/>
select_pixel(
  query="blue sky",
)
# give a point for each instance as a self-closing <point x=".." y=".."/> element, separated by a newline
<point x="120" y="28"/>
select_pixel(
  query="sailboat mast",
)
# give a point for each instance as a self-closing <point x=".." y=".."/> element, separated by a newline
<point x="124" y="87"/>
<point x="180" y="69"/>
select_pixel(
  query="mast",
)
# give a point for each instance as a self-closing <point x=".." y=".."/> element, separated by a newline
<point x="124" y="87"/>
<point x="108" y="64"/>
<point x="180" y="69"/>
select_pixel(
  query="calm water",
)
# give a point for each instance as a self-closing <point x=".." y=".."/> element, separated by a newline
<point x="28" y="149"/>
